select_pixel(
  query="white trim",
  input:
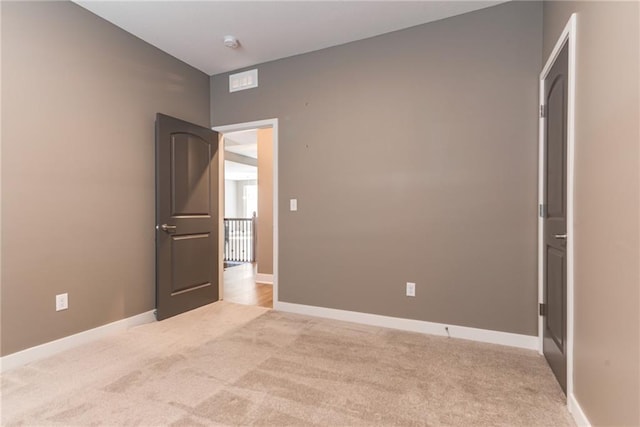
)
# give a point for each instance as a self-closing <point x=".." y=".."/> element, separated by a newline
<point x="221" y="202"/>
<point x="272" y="123"/>
<point x="568" y="36"/>
<point x="529" y="342"/>
<point x="265" y="279"/>
<point x="576" y="411"/>
<point x="51" y="348"/>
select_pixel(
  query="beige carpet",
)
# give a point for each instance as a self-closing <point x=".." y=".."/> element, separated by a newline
<point x="228" y="364"/>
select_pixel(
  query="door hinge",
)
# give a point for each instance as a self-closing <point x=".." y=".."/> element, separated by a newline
<point x="542" y="210"/>
<point x="543" y="110"/>
<point x="542" y="309"/>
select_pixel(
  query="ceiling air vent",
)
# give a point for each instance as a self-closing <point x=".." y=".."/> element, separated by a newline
<point x="244" y="80"/>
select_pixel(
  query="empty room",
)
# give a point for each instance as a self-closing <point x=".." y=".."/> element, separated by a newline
<point x="444" y="227"/>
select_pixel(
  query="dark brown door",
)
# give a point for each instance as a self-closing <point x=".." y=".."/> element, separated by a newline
<point x="186" y="216"/>
<point x="555" y="218"/>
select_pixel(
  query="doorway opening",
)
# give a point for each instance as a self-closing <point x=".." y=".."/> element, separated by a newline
<point x="248" y="194"/>
<point x="240" y="197"/>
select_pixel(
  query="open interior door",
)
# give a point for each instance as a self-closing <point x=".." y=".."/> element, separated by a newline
<point x="186" y="216"/>
<point x="554" y="309"/>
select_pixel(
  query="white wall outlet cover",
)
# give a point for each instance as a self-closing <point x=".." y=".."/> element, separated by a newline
<point x="293" y="205"/>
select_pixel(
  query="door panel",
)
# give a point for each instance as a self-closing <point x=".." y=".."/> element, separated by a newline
<point x="190" y="175"/>
<point x="556" y="262"/>
<point x="186" y="215"/>
<point x="189" y="269"/>
<point x="556" y="186"/>
<point x="555" y="220"/>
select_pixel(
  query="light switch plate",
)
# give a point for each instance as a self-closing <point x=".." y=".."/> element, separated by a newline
<point x="411" y="289"/>
<point x="62" y="302"/>
<point x="293" y="205"/>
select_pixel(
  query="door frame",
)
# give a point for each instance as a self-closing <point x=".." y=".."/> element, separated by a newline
<point x="567" y="36"/>
<point x="259" y="124"/>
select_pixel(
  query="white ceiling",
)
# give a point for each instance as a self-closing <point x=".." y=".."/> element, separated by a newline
<point x="192" y="31"/>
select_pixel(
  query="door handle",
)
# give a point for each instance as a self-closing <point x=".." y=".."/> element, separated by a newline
<point x="168" y="228"/>
<point x="560" y="236"/>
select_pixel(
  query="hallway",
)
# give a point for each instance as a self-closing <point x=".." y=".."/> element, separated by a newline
<point x="240" y="287"/>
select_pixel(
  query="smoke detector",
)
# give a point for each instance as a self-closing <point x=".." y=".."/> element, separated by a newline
<point x="231" y="42"/>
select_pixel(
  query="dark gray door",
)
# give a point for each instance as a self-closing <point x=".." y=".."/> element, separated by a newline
<point x="186" y="216"/>
<point x="555" y="219"/>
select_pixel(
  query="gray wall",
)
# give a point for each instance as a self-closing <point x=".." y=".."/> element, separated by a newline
<point x="607" y="206"/>
<point x="413" y="158"/>
<point x="78" y="107"/>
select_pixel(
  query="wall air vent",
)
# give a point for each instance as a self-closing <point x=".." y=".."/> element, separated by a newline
<point x="244" y="80"/>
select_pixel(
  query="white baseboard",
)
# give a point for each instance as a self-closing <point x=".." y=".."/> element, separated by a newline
<point x="529" y="342"/>
<point x="265" y="279"/>
<point x="42" y="351"/>
<point x="576" y="412"/>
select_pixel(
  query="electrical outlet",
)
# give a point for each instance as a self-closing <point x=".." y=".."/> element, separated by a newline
<point x="411" y="289"/>
<point x="62" y="302"/>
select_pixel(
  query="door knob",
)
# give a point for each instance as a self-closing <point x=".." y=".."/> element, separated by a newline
<point x="560" y="236"/>
<point x="168" y="228"/>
